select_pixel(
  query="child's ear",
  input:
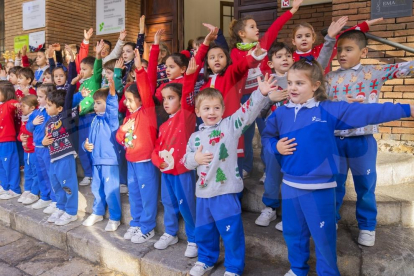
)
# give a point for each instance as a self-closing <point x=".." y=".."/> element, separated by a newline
<point x="270" y="64"/>
<point x="241" y="34"/>
<point x="197" y="112"/>
<point x="364" y="52"/>
<point x="60" y="109"/>
<point x="293" y="41"/>
<point x="183" y="69"/>
<point x="32" y="108"/>
<point x="316" y="85"/>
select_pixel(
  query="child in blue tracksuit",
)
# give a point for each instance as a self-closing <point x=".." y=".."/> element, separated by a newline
<point x="302" y="132"/>
<point x="36" y="124"/>
<point x="104" y="150"/>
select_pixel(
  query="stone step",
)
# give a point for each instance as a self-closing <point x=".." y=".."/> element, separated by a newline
<point x="392" y="168"/>
<point x="395" y="203"/>
<point x="266" y="252"/>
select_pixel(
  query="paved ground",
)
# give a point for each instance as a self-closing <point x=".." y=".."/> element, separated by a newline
<point x="22" y="255"/>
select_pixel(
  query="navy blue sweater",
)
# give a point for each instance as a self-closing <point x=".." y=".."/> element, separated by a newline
<point x="314" y="163"/>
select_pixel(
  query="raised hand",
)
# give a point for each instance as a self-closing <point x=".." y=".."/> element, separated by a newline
<point x="137" y="60"/>
<point x="112" y="90"/>
<point x="87" y="34"/>
<point x="336" y="26"/>
<point x="192" y="66"/>
<point x="38" y="120"/>
<point x="285" y="146"/>
<point x="122" y="35"/>
<point x="267" y="85"/>
<point x="158" y="36"/>
<point x="142" y="24"/>
<point x="85" y="92"/>
<point x="24" y="50"/>
<point x="212" y="35"/>
<point x="295" y="6"/>
<point x="50" y="51"/>
<point x="120" y="63"/>
<point x="88" y="146"/>
<point x="128" y="125"/>
<point x="374" y="21"/>
<point x="98" y="49"/>
<point x="77" y="78"/>
<point x="56" y="46"/>
<point x="203" y="158"/>
<point x="70" y="52"/>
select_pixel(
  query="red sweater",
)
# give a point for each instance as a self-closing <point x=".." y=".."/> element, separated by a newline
<point x="19" y="97"/>
<point x="139" y="141"/>
<point x="315" y="51"/>
<point x="249" y="83"/>
<point x="7" y="121"/>
<point x="29" y="148"/>
<point x="83" y="53"/>
<point x="171" y="144"/>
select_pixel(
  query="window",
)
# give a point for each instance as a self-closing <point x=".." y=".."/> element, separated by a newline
<point x="2" y="28"/>
<point x="226" y="16"/>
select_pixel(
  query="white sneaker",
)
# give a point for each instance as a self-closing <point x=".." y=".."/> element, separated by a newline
<point x="230" y="274"/>
<point x="49" y="209"/>
<point x="132" y="231"/>
<point x="165" y="241"/>
<point x="143" y="237"/>
<point x="123" y="188"/>
<point x="245" y="174"/>
<point x="267" y="215"/>
<point x="55" y="216"/>
<point x="86" y="181"/>
<point x="290" y="273"/>
<point x="2" y="191"/>
<point x="279" y="226"/>
<point x="65" y="219"/>
<point x="23" y="196"/>
<point x="31" y="198"/>
<point x="192" y="250"/>
<point x="199" y="269"/>
<point x="9" y="195"/>
<point x="263" y="178"/>
<point x="112" y="225"/>
<point x="366" y="238"/>
<point x="92" y="219"/>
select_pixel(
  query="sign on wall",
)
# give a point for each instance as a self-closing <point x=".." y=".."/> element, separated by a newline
<point x="110" y="16"/>
<point x="287" y="3"/>
<point x="391" y="8"/>
<point x="20" y="41"/>
<point x="34" y="15"/>
<point x="36" y="41"/>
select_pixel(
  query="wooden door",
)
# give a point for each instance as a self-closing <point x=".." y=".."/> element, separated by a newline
<point x="264" y="12"/>
<point x="164" y="14"/>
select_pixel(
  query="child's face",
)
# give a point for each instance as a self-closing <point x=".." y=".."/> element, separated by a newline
<point x="99" y="106"/>
<point x="47" y="78"/>
<point x="211" y="111"/>
<point x="109" y="74"/>
<point x="250" y="33"/>
<point x="303" y="39"/>
<point x="217" y="60"/>
<point x="105" y="51"/>
<point x="41" y="59"/>
<point x="300" y="86"/>
<point x="132" y="103"/>
<point x="13" y="78"/>
<point x="171" y="101"/>
<point x="59" y="77"/>
<point x="52" y="109"/>
<point x="26" y="109"/>
<point x="128" y="53"/>
<point x="349" y="53"/>
<point x="41" y="97"/>
<point x="87" y="70"/>
<point x="173" y="70"/>
<point x="281" y="61"/>
<point x="9" y="65"/>
<point x="23" y="81"/>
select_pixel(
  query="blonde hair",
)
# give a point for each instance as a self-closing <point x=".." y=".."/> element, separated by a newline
<point x="235" y="27"/>
<point x="208" y="93"/>
<point x="164" y="48"/>
<point x="304" y="25"/>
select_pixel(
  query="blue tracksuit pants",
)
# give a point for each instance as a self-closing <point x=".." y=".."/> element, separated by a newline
<point x="220" y="216"/>
<point x="62" y="175"/>
<point x="143" y="185"/>
<point x="177" y="194"/>
<point x="20" y="152"/>
<point x="273" y="180"/>
<point x="31" y="183"/>
<point x="123" y="166"/>
<point x="9" y="167"/>
<point x="105" y="188"/>
<point x="42" y="168"/>
<point x="309" y="213"/>
<point x="359" y="154"/>
<point x="85" y="156"/>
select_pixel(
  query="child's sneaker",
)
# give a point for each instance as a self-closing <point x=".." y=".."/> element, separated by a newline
<point x="245" y="174"/>
<point x="9" y="195"/>
<point x="290" y="273"/>
<point x="123" y="188"/>
<point x="230" y="274"/>
<point x="132" y="231"/>
<point x="279" y="226"/>
<point x="112" y="225"/>
<point x="143" y="237"/>
<point x="92" y="219"/>
<point x="65" y="219"/>
<point x="165" y="241"/>
<point x="55" y="216"/>
<point x="263" y="178"/>
<point x="49" y="209"/>
<point x="366" y="238"/>
<point x="86" y="181"/>
<point x="23" y="196"/>
<point x="2" y="191"/>
<point x="31" y="198"/>
<point x="267" y="215"/>
<point x="192" y="250"/>
<point x="199" y="269"/>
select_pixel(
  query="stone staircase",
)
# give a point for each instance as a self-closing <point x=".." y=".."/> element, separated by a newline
<point x="266" y="252"/>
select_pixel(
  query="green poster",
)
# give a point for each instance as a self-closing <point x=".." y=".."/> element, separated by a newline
<point x="20" y="41"/>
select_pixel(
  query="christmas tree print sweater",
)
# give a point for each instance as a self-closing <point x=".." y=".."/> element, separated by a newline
<point x="173" y="134"/>
<point x="222" y="176"/>
<point x="364" y="82"/>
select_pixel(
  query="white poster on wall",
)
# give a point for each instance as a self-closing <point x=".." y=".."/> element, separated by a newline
<point x="110" y="16"/>
<point x="36" y="41"/>
<point x="34" y="15"/>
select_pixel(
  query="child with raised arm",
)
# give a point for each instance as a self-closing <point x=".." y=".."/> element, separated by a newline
<point x="81" y="52"/>
<point x="302" y="132"/>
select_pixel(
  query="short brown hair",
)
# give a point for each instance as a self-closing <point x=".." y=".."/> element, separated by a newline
<point x="101" y="93"/>
<point x="30" y="100"/>
<point x="110" y="64"/>
<point x="15" y="70"/>
<point x="208" y="93"/>
<point x="7" y="90"/>
<point x="27" y="73"/>
<point x="47" y="87"/>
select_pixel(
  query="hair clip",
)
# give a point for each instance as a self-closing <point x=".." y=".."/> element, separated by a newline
<point x="308" y="59"/>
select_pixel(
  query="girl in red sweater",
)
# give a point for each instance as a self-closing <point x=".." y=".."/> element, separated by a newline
<point x="9" y="159"/>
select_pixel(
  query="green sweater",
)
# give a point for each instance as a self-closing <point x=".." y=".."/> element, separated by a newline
<point x="92" y="84"/>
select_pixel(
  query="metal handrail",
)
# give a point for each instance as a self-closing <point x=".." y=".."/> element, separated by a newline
<point x="379" y="39"/>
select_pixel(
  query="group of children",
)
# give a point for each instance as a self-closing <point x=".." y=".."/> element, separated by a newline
<point x="136" y="123"/>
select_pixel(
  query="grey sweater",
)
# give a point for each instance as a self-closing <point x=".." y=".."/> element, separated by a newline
<point x="222" y="176"/>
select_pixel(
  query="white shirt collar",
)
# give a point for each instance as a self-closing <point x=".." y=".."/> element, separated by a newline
<point x="172" y="115"/>
<point x="204" y="126"/>
<point x="136" y="110"/>
<point x="309" y="104"/>
<point x="302" y="53"/>
<point x="43" y="68"/>
<point x="355" y="68"/>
